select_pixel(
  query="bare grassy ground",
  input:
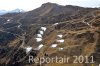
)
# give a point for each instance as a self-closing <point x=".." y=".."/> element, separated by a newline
<point x="81" y="35"/>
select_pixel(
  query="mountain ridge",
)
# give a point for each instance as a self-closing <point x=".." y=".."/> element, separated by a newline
<point x="2" y="12"/>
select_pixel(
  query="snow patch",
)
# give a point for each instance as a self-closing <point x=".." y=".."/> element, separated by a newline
<point x="28" y="49"/>
<point x="61" y="49"/>
<point x="56" y="24"/>
<point x="8" y="20"/>
<point x="19" y="26"/>
<point x="6" y="23"/>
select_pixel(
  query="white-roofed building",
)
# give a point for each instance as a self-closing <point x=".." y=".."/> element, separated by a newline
<point x="41" y="32"/>
<point x="54" y="45"/>
<point x="39" y="35"/>
<point x="60" y="41"/>
<point x="60" y="35"/>
<point x="38" y="39"/>
<point x="39" y="47"/>
<point x="43" y="28"/>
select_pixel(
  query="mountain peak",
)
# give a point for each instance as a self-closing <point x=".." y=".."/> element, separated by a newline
<point x="49" y="4"/>
<point x="18" y="10"/>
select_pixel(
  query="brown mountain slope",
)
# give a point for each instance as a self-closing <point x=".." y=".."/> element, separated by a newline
<point x="79" y="26"/>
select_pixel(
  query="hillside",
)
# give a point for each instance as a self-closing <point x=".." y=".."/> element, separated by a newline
<point x="79" y="27"/>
